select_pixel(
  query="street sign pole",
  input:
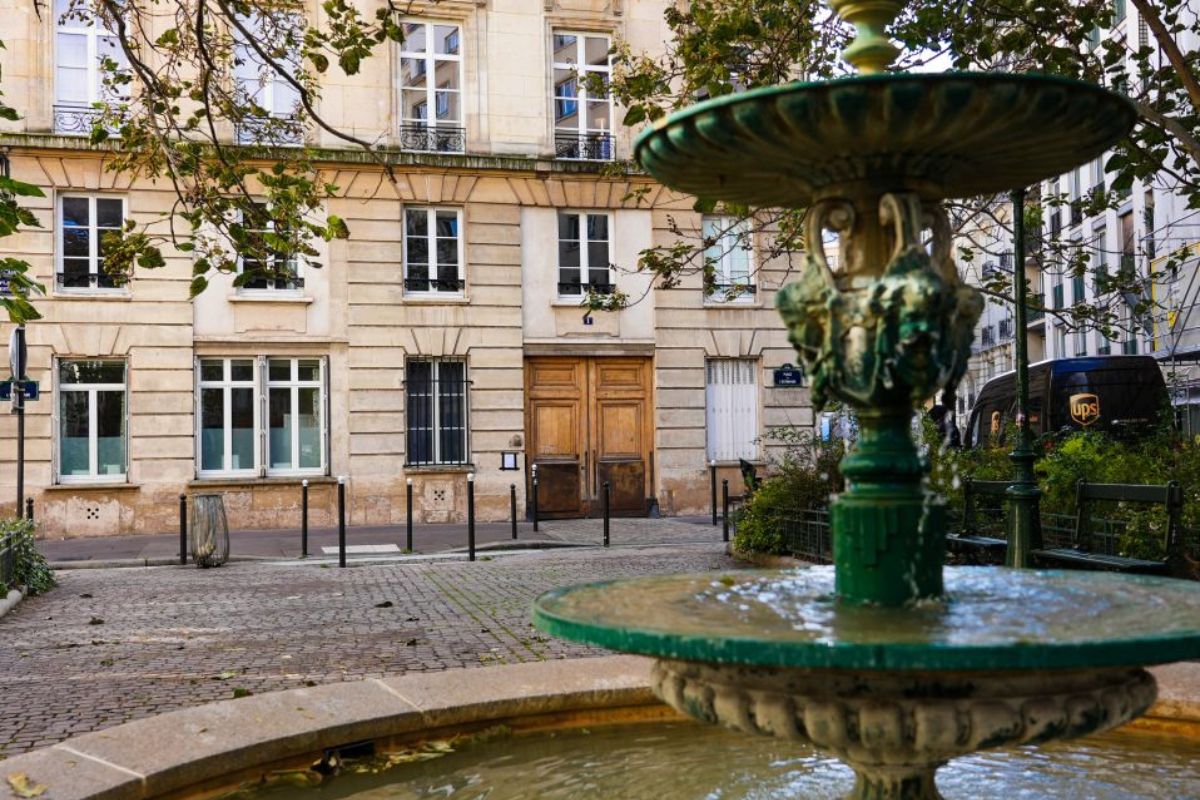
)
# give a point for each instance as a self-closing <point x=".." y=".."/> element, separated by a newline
<point x="18" y="359"/>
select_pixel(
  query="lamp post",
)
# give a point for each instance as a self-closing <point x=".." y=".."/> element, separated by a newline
<point x="1023" y="524"/>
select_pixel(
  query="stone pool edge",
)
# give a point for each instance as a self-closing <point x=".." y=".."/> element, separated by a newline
<point x="173" y="752"/>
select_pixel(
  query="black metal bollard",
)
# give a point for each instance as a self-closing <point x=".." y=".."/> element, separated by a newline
<point x="29" y="508"/>
<point x="183" y="529"/>
<point x="341" y="521"/>
<point x="304" y="519"/>
<point x="535" y="509"/>
<point x="712" y="470"/>
<point x="725" y="510"/>
<point x="470" y="516"/>
<point x="606" y="507"/>
<point x="512" y="504"/>
<point x="408" y="522"/>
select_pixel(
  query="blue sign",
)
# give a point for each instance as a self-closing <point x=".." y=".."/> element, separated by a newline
<point x="32" y="390"/>
<point x="787" y="375"/>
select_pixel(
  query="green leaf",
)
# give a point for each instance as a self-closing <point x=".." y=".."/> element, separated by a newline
<point x="198" y="285"/>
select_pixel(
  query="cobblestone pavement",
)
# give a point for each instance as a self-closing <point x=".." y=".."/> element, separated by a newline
<point x="111" y="645"/>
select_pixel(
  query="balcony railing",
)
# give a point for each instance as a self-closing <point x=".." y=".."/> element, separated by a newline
<point x="273" y="131"/>
<point x="584" y="147"/>
<point x="569" y="288"/>
<point x="433" y="285"/>
<point x="76" y="120"/>
<point x="721" y="292"/>
<point x="433" y="138"/>
<point x="88" y="280"/>
<point x="1036" y="309"/>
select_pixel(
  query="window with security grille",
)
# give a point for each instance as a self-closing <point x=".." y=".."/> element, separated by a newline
<point x="731" y="394"/>
<point x="436" y="391"/>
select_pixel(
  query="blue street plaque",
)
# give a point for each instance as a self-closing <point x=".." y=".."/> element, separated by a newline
<point x="788" y="375"/>
<point x="32" y="390"/>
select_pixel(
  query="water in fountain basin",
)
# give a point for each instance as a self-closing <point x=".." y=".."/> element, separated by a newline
<point x="991" y="618"/>
<point x="686" y="761"/>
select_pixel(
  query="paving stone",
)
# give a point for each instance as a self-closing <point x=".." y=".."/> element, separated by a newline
<point x="175" y="637"/>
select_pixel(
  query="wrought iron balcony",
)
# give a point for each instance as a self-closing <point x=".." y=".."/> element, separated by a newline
<point x="76" y="120"/>
<point x="566" y="289"/>
<point x="583" y="147"/>
<point x="723" y="292"/>
<point x="433" y="285"/>
<point x="1035" y="311"/>
<point x="433" y="138"/>
<point x="90" y="280"/>
<point x="273" y="131"/>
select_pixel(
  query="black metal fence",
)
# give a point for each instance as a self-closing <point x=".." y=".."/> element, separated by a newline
<point x="584" y="147"/>
<point x="433" y="138"/>
<point x="806" y="535"/>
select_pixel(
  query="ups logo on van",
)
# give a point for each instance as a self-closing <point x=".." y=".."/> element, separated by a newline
<point x="1085" y="408"/>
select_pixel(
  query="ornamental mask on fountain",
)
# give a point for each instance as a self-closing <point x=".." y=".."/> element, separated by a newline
<point x="881" y="334"/>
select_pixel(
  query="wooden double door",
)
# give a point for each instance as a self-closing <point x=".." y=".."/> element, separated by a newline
<point x="588" y="421"/>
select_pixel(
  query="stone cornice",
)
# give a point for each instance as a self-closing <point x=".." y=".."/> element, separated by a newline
<point x="440" y="162"/>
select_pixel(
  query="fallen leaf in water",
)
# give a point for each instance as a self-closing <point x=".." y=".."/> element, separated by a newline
<point x="23" y="787"/>
<point x="385" y="604"/>
<point x="226" y="675"/>
<point x="95" y="621"/>
<point x="86" y="595"/>
<point x="238" y="691"/>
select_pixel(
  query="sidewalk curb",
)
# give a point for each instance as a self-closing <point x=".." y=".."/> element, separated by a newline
<point x="8" y="603"/>
<point x="162" y="561"/>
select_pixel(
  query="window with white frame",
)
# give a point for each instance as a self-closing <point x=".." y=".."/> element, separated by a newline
<point x="261" y="415"/>
<point x="92" y="418"/>
<point x="83" y="222"/>
<point x="433" y="251"/>
<point x="262" y="268"/>
<point x="727" y="254"/>
<point x="266" y="83"/>
<point x="228" y="417"/>
<point x="583" y="254"/>
<point x="582" y="103"/>
<point x="295" y="415"/>
<point x="431" y="117"/>
<point x="731" y="395"/>
<point x="81" y="44"/>
<point x="436" y="392"/>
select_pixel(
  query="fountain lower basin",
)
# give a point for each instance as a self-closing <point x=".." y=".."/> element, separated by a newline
<point x="1006" y="657"/>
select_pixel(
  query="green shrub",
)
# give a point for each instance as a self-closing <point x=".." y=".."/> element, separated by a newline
<point x="803" y="478"/>
<point x="30" y="570"/>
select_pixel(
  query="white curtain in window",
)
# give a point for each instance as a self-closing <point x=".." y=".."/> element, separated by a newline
<point x="732" y="409"/>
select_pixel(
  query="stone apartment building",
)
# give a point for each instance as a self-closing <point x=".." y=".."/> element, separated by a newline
<point x="444" y="338"/>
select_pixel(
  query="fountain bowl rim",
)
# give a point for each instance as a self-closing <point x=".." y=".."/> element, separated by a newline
<point x="1003" y="655"/>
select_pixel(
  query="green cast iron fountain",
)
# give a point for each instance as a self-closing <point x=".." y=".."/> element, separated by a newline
<point x="889" y="661"/>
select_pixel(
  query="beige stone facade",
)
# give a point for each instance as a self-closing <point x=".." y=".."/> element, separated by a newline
<point x="349" y="334"/>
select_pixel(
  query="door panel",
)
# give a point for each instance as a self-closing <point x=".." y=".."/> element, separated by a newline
<point x="587" y="423"/>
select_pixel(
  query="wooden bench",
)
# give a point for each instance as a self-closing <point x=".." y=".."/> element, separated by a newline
<point x="972" y="540"/>
<point x="1094" y="543"/>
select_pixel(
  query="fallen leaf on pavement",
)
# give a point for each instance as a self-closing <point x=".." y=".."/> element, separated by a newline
<point x="23" y="787"/>
<point x="385" y="604"/>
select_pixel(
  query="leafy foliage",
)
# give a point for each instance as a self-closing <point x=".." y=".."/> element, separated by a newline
<point x="30" y="570"/>
<point x="15" y="271"/>
<point x="804" y="478"/>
